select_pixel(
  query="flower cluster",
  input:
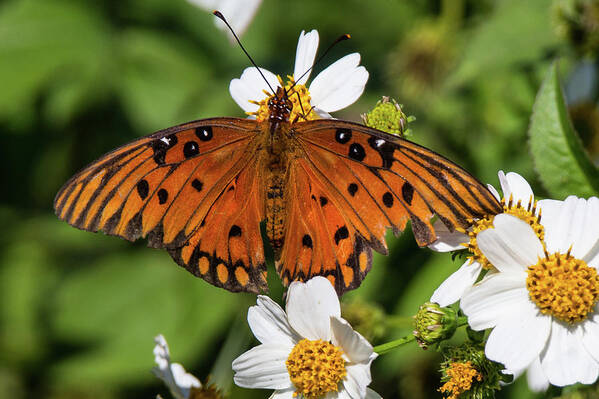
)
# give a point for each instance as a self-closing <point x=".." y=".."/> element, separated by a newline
<point x="540" y="294"/>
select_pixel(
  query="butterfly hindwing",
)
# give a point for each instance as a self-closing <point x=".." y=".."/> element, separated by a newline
<point x="319" y="238"/>
<point x="226" y="250"/>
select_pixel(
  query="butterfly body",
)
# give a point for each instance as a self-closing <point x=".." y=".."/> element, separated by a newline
<point x="327" y="189"/>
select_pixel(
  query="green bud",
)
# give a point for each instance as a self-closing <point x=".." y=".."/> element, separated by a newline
<point x="434" y="324"/>
<point x="468" y="374"/>
<point x="388" y="116"/>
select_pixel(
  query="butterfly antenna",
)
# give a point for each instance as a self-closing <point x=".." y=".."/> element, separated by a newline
<point x="219" y="15"/>
<point x="339" y="39"/>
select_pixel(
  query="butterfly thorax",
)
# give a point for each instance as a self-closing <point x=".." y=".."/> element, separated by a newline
<point x="281" y="148"/>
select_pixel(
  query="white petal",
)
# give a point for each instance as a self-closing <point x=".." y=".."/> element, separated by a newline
<point x="283" y="394"/>
<point x="590" y="338"/>
<point x="514" y="185"/>
<point x="495" y="297"/>
<point x="370" y="394"/>
<point x="446" y="240"/>
<point x="322" y="114"/>
<point x="269" y="323"/>
<point x="307" y="45"/>
<point x="310" y="306"/>
<point x="239" y="13"/>
<point x="589" y="249"/>
<point x="565" y="361"/>
<point x="357" y="379"/>
<point x="583" y="229"/>
<point x="250" y="87"/>
<point x="162" y="355"/>
<point x="536" y="378"/>
<point x="454" y="287"/>
<point x="263" y="366"/>
<point x="511" y="246"/>
<point x="518" y="338"/>
<point x="550" y="210"/>
<point x="558" y="226"/>
<point x="354" y="345"/>
<point x="494" y="191"/>
<point x="178" y="381"/>
<point x="340" y="85"/>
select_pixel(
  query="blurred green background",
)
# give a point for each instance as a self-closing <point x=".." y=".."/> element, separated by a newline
<point x="78" y="311"/>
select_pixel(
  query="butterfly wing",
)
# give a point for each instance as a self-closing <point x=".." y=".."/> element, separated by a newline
<point x="379" y="181"/>
<point x="165" y="185"/>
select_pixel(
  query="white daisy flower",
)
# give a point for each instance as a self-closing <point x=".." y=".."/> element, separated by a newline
<point x="518" y="200"/>
<point x="309" y="351"/>
<point x="542" y="303"/>
<point x="335" y="88"/>
<point x="178" y="381"/>
<point x="239" y="13"/>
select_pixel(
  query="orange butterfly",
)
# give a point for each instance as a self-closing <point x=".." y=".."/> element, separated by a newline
<point x="328" y="190"/>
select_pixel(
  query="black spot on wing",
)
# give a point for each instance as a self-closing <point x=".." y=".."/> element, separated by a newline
<point x="352" y="189"/>
<point x="143" y="189"/>
<point x="407" y="192"/>
<point x="162" y="196"/>
<point x="191" y="149"/>
<point x="235" y="231"/>
<point x="356" y="151"/>
<point x="197" y="184"/>
<point x="161" y="146"/>
<point x="307" y="241"/>
<point x="204" y="133"/>
<point x="388" y="199"/>
<point x="343" y="135"/>
<point x="385" y="150"/>
<point x="341" y="234"/>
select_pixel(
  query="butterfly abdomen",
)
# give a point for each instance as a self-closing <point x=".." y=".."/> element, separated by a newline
<point x="275" y="210"/>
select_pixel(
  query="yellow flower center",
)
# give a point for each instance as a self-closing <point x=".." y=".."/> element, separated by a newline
<point x="563" y="286"/>
<point x="298" y="95"/>
<point x="528" y="214"/>
<point x="315" y="368"/>
<point x="460" y="376"/>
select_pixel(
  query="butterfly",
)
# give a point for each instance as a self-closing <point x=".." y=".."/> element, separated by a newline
<point x="327" y="190"/>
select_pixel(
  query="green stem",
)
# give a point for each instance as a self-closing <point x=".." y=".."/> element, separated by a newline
<point x="462" y="321"/>
<point x="384" y="348"/>
<point x="399" y="321"/>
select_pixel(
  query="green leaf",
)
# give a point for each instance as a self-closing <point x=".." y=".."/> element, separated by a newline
<point x="516" y="32"/>
<point x="114" y="308"/>
<point x="48" y="45"/>
<point x="558" y="155"/>
<point x="163" y="80"/>
<point x="26" y="275"/>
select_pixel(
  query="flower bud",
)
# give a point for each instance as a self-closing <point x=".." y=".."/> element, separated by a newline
<point x="434" y="324"/>
<point x="388" y="116"/>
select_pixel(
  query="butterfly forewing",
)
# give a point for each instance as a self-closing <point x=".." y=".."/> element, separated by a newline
<point x="164" y="186"/>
